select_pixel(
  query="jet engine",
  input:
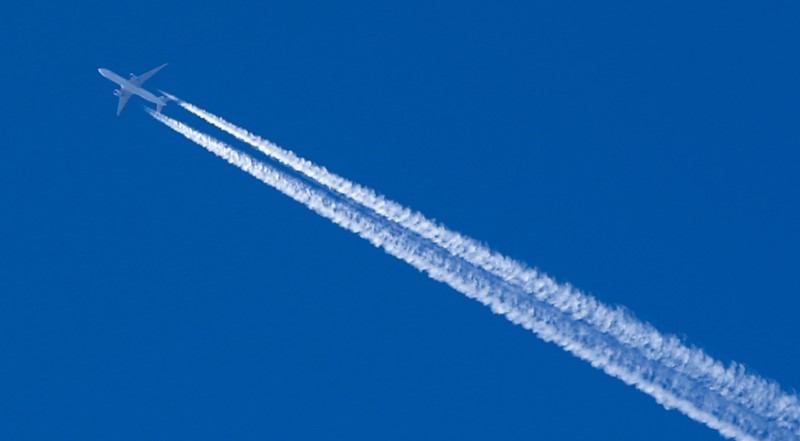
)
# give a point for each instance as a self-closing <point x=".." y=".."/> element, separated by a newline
<point x="117" y="92"/>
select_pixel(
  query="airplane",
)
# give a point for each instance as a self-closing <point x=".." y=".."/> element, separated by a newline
<point x="132" y="86"/>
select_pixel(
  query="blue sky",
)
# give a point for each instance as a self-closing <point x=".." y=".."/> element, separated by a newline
<point x="645" y="153"/>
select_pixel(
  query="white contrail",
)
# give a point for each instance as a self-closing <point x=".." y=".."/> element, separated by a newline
<point x="668" y="386"/>
<point x="733" y="382"/>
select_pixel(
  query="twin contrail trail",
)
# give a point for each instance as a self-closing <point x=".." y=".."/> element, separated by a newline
<point x="731" y="382"/>
<point x="738" y="404"/>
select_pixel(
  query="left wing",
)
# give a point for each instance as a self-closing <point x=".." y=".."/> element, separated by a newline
<point x="123" y="98"/>
<point x="138" y="81"/>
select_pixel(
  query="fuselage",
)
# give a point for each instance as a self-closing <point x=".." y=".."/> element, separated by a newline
<point x="130" y="87"/>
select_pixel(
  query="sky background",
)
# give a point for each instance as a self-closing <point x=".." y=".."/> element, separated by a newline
<point x="646" y="153"/>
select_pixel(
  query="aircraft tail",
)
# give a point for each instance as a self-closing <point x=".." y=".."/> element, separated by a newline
<point x="168" y="97"/>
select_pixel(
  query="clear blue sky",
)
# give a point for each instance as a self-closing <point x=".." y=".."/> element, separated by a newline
<point x="646" y="153"/>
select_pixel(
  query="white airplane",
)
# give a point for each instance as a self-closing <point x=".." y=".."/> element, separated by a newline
<point x="132" y="86"/>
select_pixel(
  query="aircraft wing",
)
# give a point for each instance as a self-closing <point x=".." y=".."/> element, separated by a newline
<point x="138" y="81"/>
<point x="123" y="98"/>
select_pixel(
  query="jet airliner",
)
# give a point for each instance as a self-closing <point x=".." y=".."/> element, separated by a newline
<point x="132" y="86"/>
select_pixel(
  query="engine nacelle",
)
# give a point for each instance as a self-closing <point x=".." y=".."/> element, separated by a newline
<point x="117" y="92"/>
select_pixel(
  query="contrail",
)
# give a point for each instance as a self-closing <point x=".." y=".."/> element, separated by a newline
<point x="668" y="386"/>
<point x="732" y="382"/>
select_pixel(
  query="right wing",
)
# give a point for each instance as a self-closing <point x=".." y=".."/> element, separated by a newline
<point x="123" y="98"/>
<point x="138" y="81"/>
